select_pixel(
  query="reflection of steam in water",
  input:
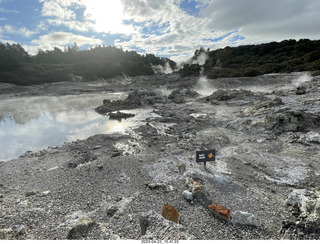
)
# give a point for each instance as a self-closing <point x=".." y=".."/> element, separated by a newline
<point x="44" y="131"/>
<point x="48" y="131"/>
<point x="38" y="122"/>
<point x="98" y="126"/>
<point x="23" y="110"/>
<point x="57" y="120"/>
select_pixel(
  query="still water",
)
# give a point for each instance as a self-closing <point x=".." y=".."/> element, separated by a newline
<point x="34" y="123"/>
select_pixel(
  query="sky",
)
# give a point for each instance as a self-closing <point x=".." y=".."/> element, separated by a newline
<point x="166" y="28"/>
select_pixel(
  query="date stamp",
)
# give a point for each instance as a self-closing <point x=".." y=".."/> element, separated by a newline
<point x="160" y="241"/>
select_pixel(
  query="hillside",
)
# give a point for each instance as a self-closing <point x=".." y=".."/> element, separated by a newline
<point x="100" y="62"/>
<point x="253" y="60"/>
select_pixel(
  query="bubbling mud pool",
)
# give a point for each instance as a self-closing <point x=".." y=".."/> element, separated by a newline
<point x="35" y="123"/>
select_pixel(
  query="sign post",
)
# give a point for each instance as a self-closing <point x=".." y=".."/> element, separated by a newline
<point x="205" y="156"/>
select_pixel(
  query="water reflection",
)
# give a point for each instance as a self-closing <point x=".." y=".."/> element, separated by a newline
<point x="38" y="122"/>
<point x="23" y="110"/>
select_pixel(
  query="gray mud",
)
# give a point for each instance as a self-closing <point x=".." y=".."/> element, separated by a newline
<point x="267" y="141"/>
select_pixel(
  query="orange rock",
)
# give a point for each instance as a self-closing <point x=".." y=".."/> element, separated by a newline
<point x="220" y="211"/>
<point x="169" y="212"/>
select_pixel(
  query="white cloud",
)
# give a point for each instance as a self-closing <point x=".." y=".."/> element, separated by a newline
<point x="17" y="31"/>
<point x="163" y="28"/>
<point x="71" y="24"/>
<point x="60" y="39"/>
<point x="263" y="21"/>
<point x="64" y="3"/>
<point x="99" y="15"/>
<point x="62" y="13"/>
<point x="56" y="9"/>
<point x="221" y="23"/>
<point x="2" y="10"/>
<point x="176" y="32"/>
<point x="32" y="50"/>
<point x="169" y="27"/>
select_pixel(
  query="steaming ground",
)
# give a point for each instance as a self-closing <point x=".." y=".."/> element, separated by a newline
<point x="265" y="131"/>
<point x="266" y="84"/>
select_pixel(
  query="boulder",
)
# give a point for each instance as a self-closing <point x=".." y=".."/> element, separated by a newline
<point x="262" y="107"/>
<point x="117" y="207"/>
<point x="297" y="199"/>
<point x="291" y="121"/>
<point x="135" y="99"/>
<point x="83" y="158"/>
<point x="312" y="222"/>
<point x="224" y="95"/>
<point x="159" y="228"/>
<point x="312" y="137"/>
<point x="159" y="186"/>
<point x="187" y="195"/>
<point x="304" y="138"/>
<point x="304" y="207"/>
<point x="120" y="115"/>
<point x="300" y="90"/>
<point x="244" y="218"/>
<point x="80" y="229"/>
<point x="179" y="95"/>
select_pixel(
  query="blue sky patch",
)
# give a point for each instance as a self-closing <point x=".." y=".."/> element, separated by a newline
<point x="155" y="26"/>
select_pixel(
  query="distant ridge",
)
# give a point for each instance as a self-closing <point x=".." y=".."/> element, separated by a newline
<point x="100" y="62"/>
<point x="253" y="60"/>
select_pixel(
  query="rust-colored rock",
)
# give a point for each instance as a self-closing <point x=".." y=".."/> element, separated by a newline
<point x="220" y="211"/>
<point x="169" y="212"/>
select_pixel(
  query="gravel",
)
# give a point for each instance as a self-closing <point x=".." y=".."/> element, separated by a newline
<point x="107" y="182"/>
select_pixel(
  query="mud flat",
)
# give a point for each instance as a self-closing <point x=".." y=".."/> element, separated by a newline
<point x="263" y="184"/>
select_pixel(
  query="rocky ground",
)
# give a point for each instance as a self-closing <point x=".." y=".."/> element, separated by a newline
<point x="265" y="131"/>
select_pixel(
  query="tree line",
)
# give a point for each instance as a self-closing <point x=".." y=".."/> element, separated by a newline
<point x="103" y="62"/>
<point x="99" y="62"/>
<point x="253" y="60"/>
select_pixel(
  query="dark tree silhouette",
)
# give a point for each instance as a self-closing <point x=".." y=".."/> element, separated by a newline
<point x="100" y="62"/>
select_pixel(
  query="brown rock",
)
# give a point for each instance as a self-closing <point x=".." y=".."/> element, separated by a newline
<point x="181" y="167"/>
<point x="220" y="211"/>
<point x="169" y="212"/>
<point x="31" y="193"/>
<point x="195" y="186"/>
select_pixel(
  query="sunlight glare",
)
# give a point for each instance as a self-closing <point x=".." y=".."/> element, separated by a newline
<point x="115" y="126"/>
<point x="107" y="16"/>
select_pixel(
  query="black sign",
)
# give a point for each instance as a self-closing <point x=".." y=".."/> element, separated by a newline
<point x="205" y="156"/>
